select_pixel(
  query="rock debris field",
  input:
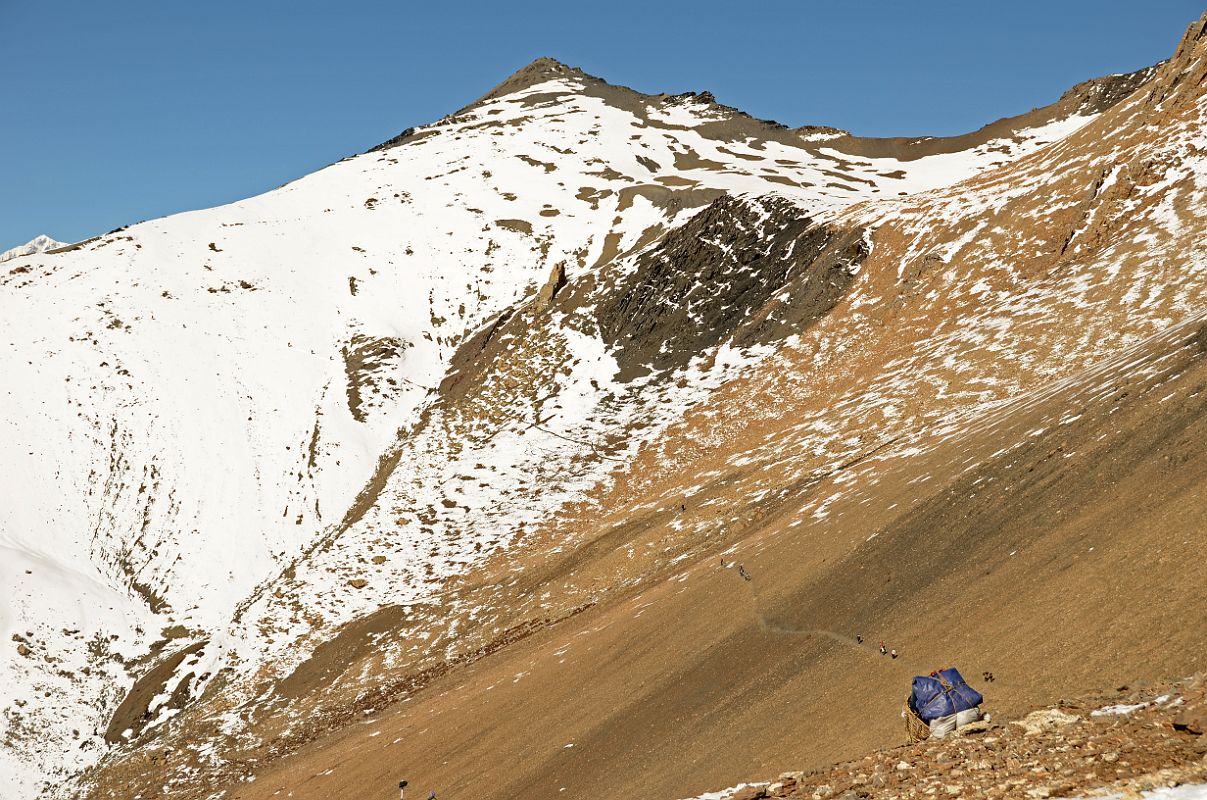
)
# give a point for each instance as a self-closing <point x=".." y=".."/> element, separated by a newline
<point x="1127" y="744"/>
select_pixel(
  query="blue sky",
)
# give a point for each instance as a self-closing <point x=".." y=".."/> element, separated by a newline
<point x="117" y="112"/>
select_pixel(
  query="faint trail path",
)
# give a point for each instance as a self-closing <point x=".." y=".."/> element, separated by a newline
<point x="784" y="630"/>
<point x="780" y="629"/>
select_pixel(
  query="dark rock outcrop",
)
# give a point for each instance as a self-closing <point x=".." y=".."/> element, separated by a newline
<point x="739" y="271"/>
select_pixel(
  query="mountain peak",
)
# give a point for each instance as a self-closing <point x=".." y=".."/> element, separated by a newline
<point x="39" y="244"/>
<point x="539" y="70"/>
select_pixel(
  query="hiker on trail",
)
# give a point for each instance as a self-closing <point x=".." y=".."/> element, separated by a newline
<point x="894" y="653"/>
<point x="742" y="571"/>
<point x="859" y="638"/>
<point x="883" y="649"/>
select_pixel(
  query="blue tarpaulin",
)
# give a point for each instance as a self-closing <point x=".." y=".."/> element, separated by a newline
<point x="942" y="694"/>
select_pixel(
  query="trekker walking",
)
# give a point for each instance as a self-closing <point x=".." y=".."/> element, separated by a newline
<point x="859" y="638"/>
<point x="742" y="571"/>
<point x="883" y="649"/>
<point x="894" y="653"/>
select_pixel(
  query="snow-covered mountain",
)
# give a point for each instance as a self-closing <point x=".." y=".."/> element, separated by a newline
<point x="383" y="404"/>
<point x="38" y="244"/>
<point x="215" y="389"/>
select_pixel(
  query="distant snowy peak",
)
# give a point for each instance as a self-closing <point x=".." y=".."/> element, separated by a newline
<point x="39" y="244"/>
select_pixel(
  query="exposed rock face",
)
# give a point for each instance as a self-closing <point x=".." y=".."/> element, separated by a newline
<point x="741" y="271"/>
<point x="1099" y="94"/>
<point x="143" y="705"/>
<point x="557" y="279"/>
<point x="371" y="365"/>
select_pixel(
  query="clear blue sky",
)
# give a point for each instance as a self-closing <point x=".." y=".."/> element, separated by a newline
<point x="125" y="110"/>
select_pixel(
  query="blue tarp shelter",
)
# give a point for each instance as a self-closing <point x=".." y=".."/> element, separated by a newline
<point x="941" y="694"/>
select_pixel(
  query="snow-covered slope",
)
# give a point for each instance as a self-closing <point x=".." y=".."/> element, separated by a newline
<point x="38" y="244"/>
<point x="232" y="431"/>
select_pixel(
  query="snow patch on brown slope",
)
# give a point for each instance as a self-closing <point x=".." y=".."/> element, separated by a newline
<point x="693" y="678"/>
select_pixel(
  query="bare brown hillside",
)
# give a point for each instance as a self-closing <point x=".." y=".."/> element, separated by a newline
<point x="1038" y="565"/>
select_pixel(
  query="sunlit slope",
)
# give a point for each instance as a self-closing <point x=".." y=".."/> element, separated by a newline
<point x="442" y="419"/>
<point x="985" y="454"/>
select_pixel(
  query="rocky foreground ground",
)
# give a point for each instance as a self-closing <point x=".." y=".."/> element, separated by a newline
<point x="1120" y="744"/>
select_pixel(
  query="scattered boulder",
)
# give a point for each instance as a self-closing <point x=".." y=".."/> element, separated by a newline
<point x="1192" y="722"/>
<point x="750" y="793"/>
<point x="1049" y="753"/>
<point x="1045" y="720"/>
<point x="972" y="728"/>
<point x="557" y="279"/>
